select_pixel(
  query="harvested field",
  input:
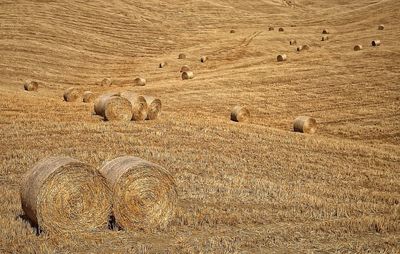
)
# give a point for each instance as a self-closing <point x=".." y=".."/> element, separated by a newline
<point x="249" y="187"/>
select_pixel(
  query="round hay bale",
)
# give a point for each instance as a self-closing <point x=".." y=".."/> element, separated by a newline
<point x="153" y="107"/>
<point x="376" y="43"/>
<point x="381" y="27"/>
<point x="106" y="82"/>
<point x="325" y="31"/>
<point x="325" y="38"/>
<point x="139" y="105"/>
<point x="185" y="68"/>
<point x="113" y="107"/>
<point x="281" y="29"/>
<point x="162" y="65"/>
<point x="358" y="47"/>
<point x="281" y="58"/>
<point x="232" y="31"/>
<point x="187" y="75"/>
<point x="292" y="42"/>
<point x="88" y="97"/>
<point x="61" y="194"/>
<point x="31" y="86"/>
<point x="305" y="124"/>
<point x="271" y="28"/>
<point x="203" y="59"/>
<point x="182" y="56"/>
<point x="71" y="94"/>
<point x="304" y="47"/>
<point x="144" y="194"/>
<point x="139" y="82"/>
<point x="240" y="114"/>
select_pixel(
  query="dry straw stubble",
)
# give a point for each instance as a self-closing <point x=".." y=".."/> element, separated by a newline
<point x="71" y="94"/>
<point x="31" y="86"/>
<point x="61" y="194"/>
<point x="113" y="107"/>
<point x="144" y="194"/>
<point x="305" y="124"/>
<point x="240" y="114"/>
<point x="153" y="107"/>
<point x="139" y="105"/>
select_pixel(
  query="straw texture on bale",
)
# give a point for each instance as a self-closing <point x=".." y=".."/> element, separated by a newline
<point x="182" y="56"/>
<point x="113" y="107"/>
<point x="381" y="27"/>
<point x="240" y="114"/>
<point x="143" y="194"/>
<point x="153" y="107"/>
<point x="88" y="97"/>
<point x="187" y="75"/>
<point x="271" y="28"/>
<point x="185" y="68"/>
<point x="376" y="43"/>
<point x="71" y="94"/>
<point x="281" y="29"/>
<point x="162" y="65"/>
<point x="31" y="86"/>
<point x="139" y="81"/>
<point x="139" y="105"/>
<point x="292" y="42"/>
<point x="358" y="47"/>
<point x="61" y="194"/>
<point x="325" y="31"/>
<point x="325" y="38"/>
<point x="305" y="124"/>
<point x="203" y="59"/>
<point x="106" y="82"/>
<point x="281" y="58"/>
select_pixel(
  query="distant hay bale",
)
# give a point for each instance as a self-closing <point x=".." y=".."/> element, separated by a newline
<point x="139" y="105"/>
<point x="325" y="38"/>
<point x="232" y="31"/>
<point x="71" y="94"/>
<point x="31" y="86"/>
<point x="271" y="28"/>
<point x="381" y="27"/>
<point x="153" y="107"/>
<point x="376" y="43"/>
<point x="144" y="194"/>
<point x="139" y="82"/>
<point x="61" y="194"/>
<point x="325" y="31"/>
<point x="358" y="47"/>
<point x="162" y="64"/>
<point x="113" y="107"/>
<point x="281" y="58"/>
<point x="106" y="82"/>
<point x="281" y="29"/>
<point x="184" y="68"/>
<point x="292" y="42"/>
<point x="240" y="114"/>
<point x="88" y="97"/>
<point x="187" y="75"/>
<point x="182" y="56"/>
<point x="203" y="59"/>
<point x="304" y="47"/>
<point x="305" y="124"/>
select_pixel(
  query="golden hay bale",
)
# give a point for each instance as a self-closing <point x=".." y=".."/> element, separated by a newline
<point x="304" y="47"/>
<point x="358" y="47"/>
<point x="325" y="31"/>
<point x="203" y="59"/>
<point x="187" y="75"/>
<point x="162" y="64"/>
<point x="61" y="194"/>
<point x="292" y="42"/>
<point x="240" y="114"/>
<point x="71" y="94"/>
<point x="325" y="38"/>
<point x="381" y="27"/>
<point x="185" y="68"/>
<point x="376" y="43"/>
<point x="106" y="82"/>
<point x="113" y="107"/>
<point x="281" y="29"/>
<point x="271" y="28"/>
<point x="139" y="105"/>
<point x="144" y="194"/>
<point x="31" y="86"/>
<point x="305" y="124"/>
<point x="232" y="31"/>
<point x="281" y="58"/>
<point x="139" y="82"/>
<point x="153" y="107"/>
<point x="88" y="97"/>
<point x="182" y="56"/>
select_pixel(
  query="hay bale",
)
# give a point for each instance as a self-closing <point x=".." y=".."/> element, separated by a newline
<point x="187" y="75"/>
<point x="184" y="68"/>
<point x="292" y="42"/>
<point x="139" y="105"/>
<point x="281" y="58"/>
<point x="376" y="43"/>
<point x="139" y="82"/>
<point x="144" y="194"/>
<point x="203" y="59"/>
<point x="31" y="86"/>
<point x="358" y="47"/>
<point x="162" y="64"/>
<point x="240" y="114"/>
<point x="71" y="94"/>
<point x="113" y="107"/>
<point x="381" y="27"/>
<point x="88" y="97"/>
<point x="153" y="107"/>
<point x="271" y="28"/>
<point x="106" y="82"/>
<point x="281" y="29"/>
<point x="303" y="47"/>
<point x="305" y="124"/>
<point x="232" y="31"/>
<point x="325" y="38"/>
<point x="182" y="56"/>
<point x="61" y="194"/>
<point x="325" y="31"/>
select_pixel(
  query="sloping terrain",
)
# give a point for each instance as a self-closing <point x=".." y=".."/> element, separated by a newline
<point x="252" y="187"/>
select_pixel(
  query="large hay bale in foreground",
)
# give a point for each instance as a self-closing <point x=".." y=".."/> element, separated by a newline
<point x="240" y="114"/>
<point x="144" y="194"/>
<point x="305" y="124"/>
<point x="381" y="27"/>
<point x="376" y="43"/>
<point x="153" y="107"/>
<point x="88" y="97"/>
<point x="139" y="82"/>
<point x="61" y="194"/>
<point x="203" y="59"/>
<point x="281" y="58"/>
<point x="358" y="47"/>
<point x="139" y="105"/>
<point x="187" y="75"/>
<point x="31" y="86"/>
<point x="71" y="94"/>
<point x="113" y="107"/>
<point x="182" y="56"/>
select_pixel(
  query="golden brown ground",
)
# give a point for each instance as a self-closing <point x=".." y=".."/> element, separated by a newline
<point x="247" y="188"/>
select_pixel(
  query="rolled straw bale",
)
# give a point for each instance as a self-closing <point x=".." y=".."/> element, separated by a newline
<point x="144" y="194"/>
<point x="162" y="64"/>
<point x="271" y="28"/>
<point x="88" y="97"/>
<point x="106" y="82"/>
<point x="240" y="114"/>
<point x="182" y="56"/>
<point x="139" y="105"/>
<point x="305" y="124"/>
<point x="71" y="94"/>
<point x="31" y="86"/>
<point x="281" y="58"/>
<point x="281" y="29"/>
<point x="325" y="38"/>
<point x="113" y="107"/>
<point x="303" y="47"/>
<point x="139" y="81"/>
<point x="153" y="107"/>
<point x="203" y="59"/>
<point x="187" y="75"/>
<point x="325" y="31"/>
<point x="232" y="31"/>
<point x="292" y="42"/>
<point x="185" y="68"/>
<point x="358" y="47"/>
<point x="381" y="27"/>
<point x="376" y="43"/>
<point x="61" y="194"/>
